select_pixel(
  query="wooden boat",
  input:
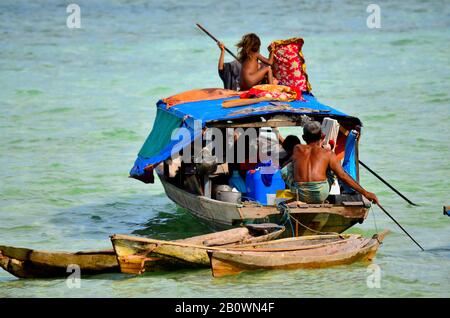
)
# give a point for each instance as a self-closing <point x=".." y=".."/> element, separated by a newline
<point x="29" y="263"/>
<point x="327" y="218"/>
<point x="193" y="190"/>
<point x="304" y="252"/>
<point x="136" y="254"/>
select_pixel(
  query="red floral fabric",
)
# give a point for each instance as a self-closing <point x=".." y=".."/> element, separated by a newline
<point x="289" y="65"/>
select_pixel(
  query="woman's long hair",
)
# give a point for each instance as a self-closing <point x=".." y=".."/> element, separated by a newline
<point x="249" y="44"/>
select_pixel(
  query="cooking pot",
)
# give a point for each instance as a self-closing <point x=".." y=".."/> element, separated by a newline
<point x="228" y="196"/>
<point x="222" y="187"/>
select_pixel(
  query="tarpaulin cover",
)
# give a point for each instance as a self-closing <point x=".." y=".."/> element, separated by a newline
<point x="209" y="110"/>
<point x="349" y="163"/>
<point x="159" y="145"/>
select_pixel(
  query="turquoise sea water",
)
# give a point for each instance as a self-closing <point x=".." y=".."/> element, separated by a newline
<point x="77" y="104"/>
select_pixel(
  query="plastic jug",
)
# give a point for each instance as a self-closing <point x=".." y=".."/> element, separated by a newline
<point x="260" y="191"/>
<point x="237" y="182"/>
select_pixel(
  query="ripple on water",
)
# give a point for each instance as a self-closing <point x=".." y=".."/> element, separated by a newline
<point x="404" y="42"/>
<point x="28" y="92"/>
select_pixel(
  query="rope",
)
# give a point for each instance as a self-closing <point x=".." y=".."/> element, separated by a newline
<point x="286" y="211"/>
<point x="310" y="229"/>
<point x="288" y="219"/>
<point x="375" y="223"/>
<point x="283" y="223"/>
<point x="374" y="218"/>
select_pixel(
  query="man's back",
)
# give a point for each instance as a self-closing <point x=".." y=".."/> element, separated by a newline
<point x="309" y="167"/>
<point x="310" y="163"/>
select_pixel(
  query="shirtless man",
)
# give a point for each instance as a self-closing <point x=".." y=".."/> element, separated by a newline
<point x="311" y="165"/>
<point x="252" y="73"/>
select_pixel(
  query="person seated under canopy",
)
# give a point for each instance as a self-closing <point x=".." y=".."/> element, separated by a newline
<point x="288" y="145"/>
<point x="309" y="175"/>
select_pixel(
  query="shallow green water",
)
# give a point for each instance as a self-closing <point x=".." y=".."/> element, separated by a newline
<point x="76" y="105"/>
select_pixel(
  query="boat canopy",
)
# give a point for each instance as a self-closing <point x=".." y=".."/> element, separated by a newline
<point x="159" y="144"/>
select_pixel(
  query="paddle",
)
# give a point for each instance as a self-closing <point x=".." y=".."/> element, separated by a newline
<point x="217" y="41"/>
<point x="386" y="183"/>
<point x="400" y="226"/>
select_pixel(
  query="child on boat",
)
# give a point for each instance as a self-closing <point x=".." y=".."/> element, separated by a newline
<point x="248" y="54"/>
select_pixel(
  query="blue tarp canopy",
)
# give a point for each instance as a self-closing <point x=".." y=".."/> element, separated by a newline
<point x="159" y="145"/>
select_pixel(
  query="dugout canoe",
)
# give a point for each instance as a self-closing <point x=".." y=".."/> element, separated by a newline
<point x="30" y="263"/>
<point x="136" y="255"/>
<point x="299" y="252"/>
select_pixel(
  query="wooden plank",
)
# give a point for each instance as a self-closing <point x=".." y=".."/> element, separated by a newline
<point x="353" y="203"/>
<point x="265" y="211"/>
<point x="269" y="123"/>
<point x="244" y="101"/>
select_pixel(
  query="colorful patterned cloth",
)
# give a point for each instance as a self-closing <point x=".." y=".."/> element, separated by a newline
<point x="311" y="192"/>
<point x="275" y="92"/>
<point x="289" y="66"/>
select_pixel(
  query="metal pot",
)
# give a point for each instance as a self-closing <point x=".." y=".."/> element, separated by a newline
<point x="229" y="196"/>
<point x="222" y="187"/>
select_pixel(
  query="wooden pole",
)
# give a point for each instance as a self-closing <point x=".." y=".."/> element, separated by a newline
<point x="386" y="183"/>
<point x="216" y="40"/>
<point x="400" y="226"/>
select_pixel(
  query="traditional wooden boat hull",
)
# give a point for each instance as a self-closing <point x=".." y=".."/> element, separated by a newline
<point x="136" y="255"/>
<point x="305" y="252"/>
<point x="28" y="263"/>
<point x="312" y="218"/>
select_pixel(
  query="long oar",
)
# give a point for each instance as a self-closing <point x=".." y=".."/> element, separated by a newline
<point x="386" y="183"/>
<point x="214" y="38"/>
<point x="400" y="226"/>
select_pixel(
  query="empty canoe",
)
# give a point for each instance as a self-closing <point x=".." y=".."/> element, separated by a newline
<point x="300" y="252"/>
<point x="136" y="254"/>
<point x="29" y="263"/>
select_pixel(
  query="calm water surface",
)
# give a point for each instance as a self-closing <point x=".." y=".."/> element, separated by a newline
<point x="76" y="105"/>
